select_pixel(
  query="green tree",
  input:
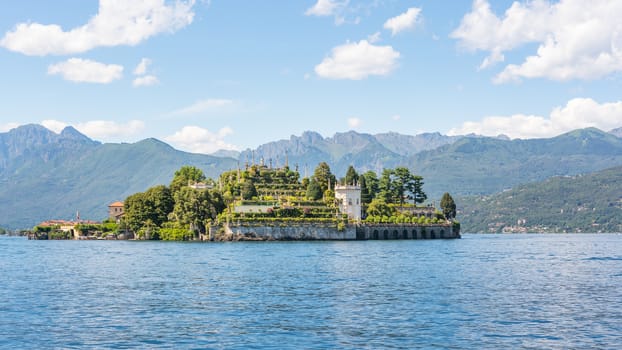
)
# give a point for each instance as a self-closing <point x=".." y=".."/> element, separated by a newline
<point x="416" y="188"/>
<point x="372" y="184"/>
<point x="448" y="206"/>
<point x="352" y="177"/>
<point x="248" y="190"/>
<point x="379" y="208"/>
<point x="386" y="186"/>
<point x="324" y="177"/>
<point x="314" y="191"/>
<point x="153" y="205"/>
<point x="196" y="207"/>
<point x="398" y="185"/>
<point x="366" y="195"/>
<point x="160" y="202"/>
<point x="185" y="175"/>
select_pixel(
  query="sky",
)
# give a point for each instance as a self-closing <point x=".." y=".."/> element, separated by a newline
<point x="230" y="74"/>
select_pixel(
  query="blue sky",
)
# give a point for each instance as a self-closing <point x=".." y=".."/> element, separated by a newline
<point x="208" y="75"/>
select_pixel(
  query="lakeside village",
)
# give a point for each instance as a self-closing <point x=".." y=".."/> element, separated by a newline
<point x="265" y="203"/>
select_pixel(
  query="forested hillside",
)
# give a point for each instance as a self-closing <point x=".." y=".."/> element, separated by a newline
<point x="583" y="203"/>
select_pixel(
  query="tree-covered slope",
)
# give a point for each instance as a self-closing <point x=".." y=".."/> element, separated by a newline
<point x="47" y="175"/>
<point x="472" y="166"/>
<point x="582" y="203"/>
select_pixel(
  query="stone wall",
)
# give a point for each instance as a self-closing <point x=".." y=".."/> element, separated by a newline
<point x="406" y="231"/>
<point x="287" y="232"/>
<point x="330" y="232"/>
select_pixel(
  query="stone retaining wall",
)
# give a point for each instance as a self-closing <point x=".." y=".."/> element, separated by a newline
<point x="351" y="232"/>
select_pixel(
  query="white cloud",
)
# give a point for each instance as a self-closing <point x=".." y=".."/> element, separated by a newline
<point x="374" y="38"/>
<point x="54" y="125"/>
<point x="578" y="113"/>
<point x="86" y="71"/>
<point x="396" y="117"/>
<point x="99" y="129"/>
<point x="358" y="61"/>
<point x="117" y="22"/>
<point x="147" y="80"/>
<point x="354" y="122"/>
<point x="576" y="39"/>
<point x="107" y="130"/>
<point x="141" y="68"/>
<point x="325" y="8"/>
<point x="406" y="20"/>
<point x="204" y="106"/>
<point x="8" y="126"/>
<point x="199" y="140"/>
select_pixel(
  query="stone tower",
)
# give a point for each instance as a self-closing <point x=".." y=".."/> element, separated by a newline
<point x="349" y="200"/>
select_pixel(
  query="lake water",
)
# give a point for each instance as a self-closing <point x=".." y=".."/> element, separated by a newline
<point x="480" y="292"/>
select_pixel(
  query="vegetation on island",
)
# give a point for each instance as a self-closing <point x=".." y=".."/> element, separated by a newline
<point x="192" y="203"/>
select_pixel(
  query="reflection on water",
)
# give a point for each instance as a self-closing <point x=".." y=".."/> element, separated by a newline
<point x="484" y="291"/>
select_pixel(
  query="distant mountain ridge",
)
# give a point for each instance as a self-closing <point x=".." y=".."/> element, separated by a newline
<point x="616" y="132"/>
<point x="46" y="175"/>
<point x="582" y="203"/>
<point x="363" y="151"/>
<point x="472" y="166"/>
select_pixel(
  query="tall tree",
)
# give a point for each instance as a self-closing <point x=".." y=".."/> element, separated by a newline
<point x="352" y="177"/>
<point x="448" y="206"/>
<point x="248" y="190"/>
<point x="366" y="196"/>
<point x="324" y="177"/>
<point x="314" y="191"/>
<point x="386" y="186"/>
<point x="398" y="185"/>
<point x="185" y="175"/>
<point x="416" y="188"/>
<point x="371" y="181"/>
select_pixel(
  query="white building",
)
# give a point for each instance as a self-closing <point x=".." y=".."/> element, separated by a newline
<point x="349" y="200"/>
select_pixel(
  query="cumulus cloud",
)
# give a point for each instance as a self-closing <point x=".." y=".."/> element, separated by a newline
<point x="147" y="80"/>
<point x="204" y="106"/>
<point x="405" y="21"/>
<point x="324" y="8"/>
<point x="578" y="113"/>
<point x="358" y="61"/>
<point x="86" y="71"/>
<point x="199" y="140"/>
<point x="116" y="23"/>
<point x="343" y="11"/>
<point x="576" y="39"/>
<point x="8" y="126"/>
<point x="141" y="68"/>
<point x="99" y="129"/>
<point x="354" y="123"/>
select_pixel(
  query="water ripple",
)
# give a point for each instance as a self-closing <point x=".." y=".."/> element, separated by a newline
<point x="485" y="292"/>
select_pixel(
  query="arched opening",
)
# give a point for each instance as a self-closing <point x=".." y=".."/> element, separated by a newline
<point x="375" y="234"/>
<point x="394" y="236"/>
<point x="414" y="234"/>
<point x="386" y="234"/>
<point x="442" y="233"/>
<point x="432" y="234"/>
<point x="405" y="234"/>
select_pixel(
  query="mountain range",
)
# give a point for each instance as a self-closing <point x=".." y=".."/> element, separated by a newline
<point x="45" y="175"/>
<point x="581" y="203"/>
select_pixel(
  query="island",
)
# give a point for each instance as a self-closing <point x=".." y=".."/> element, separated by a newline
<point x="259" y="202"/>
